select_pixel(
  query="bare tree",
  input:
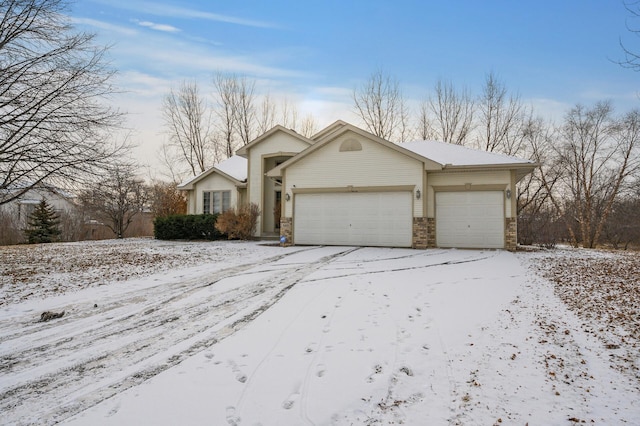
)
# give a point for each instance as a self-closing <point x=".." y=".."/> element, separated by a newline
<point x="598" y="154"/>
<point x="225" y="94"/>
<point x="308" y="127"/>
<point x="267" y="116"/>
<point x="245" y="109"/>
<point x="380" y="104"/>
<point x="116" y="199"/>
<point x="452" y="113"/>
<point x="631" y="58"/>
<point x="236" y="111"/>
<point x="288" y="114"/>
<point x="538" y="216"/>
<point x="424" y="128"/>
<point x="502" y="118"/>
<point x="188" y="124"/>
<point x="54" y="125"/>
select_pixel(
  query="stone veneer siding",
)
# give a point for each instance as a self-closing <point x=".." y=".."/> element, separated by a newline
<point x="420" y="233"/>
<point x="286" y="228"/>
<point x="511" y="233"/>
<point x="431" y="232"/>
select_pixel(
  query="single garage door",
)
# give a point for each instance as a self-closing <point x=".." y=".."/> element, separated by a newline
<point x="470" y="219"/>
<point x="353" y="218"/>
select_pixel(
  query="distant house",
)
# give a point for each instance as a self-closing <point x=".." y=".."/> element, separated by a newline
<point x="345" y="186"/>
<point x="21" y="208"/>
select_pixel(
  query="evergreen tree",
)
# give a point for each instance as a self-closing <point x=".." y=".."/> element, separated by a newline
<point x="43" y="224"/>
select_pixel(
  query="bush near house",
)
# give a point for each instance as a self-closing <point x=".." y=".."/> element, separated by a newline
<point x="239" y="223"/>
<point x="186" y="227"/>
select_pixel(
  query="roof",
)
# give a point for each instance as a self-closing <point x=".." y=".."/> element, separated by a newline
<point x="233" y="168"/>
<point x="434" y="154"/>
<point x="458" y="155"/>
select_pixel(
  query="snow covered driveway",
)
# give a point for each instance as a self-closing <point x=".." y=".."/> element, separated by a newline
<point x="312" y="335"/>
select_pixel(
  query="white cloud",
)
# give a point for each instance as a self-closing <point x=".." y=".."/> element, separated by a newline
<point x="547" y="108"/>
<point x="181" y="12"/>
<point x="158" y="27"/>
<point x="118" y="29"/>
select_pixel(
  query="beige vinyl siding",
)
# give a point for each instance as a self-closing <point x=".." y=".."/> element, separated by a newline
<point x="213" y="182"/>
<point x="372" y="166"/>
<point x="499" y="180"/>
<point x="279" y="142"/>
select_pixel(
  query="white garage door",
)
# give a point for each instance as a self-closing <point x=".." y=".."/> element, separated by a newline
<point x="353" y="218"/>
<point x="471" y="219"/>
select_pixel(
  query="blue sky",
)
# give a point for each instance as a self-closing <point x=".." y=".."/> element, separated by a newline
<point x="554" y="54"/>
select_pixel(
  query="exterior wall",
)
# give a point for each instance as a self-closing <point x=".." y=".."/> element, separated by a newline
<point x="286" y="231"/>
<point x="242" y="196"/>
<point x="420" y="233"/>
<point x="431" y="232"/>
<point x="191" y="202"/>
<point x="372" y="166"/>
<point x="213" y="182"/>
<point x="511" y="233"/>
<point x="278" y="143"/>
<point x="484" y="180"/>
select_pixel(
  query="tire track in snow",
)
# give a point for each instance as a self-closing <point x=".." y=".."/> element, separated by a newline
<point x="299" y="275"/>
<point x="93" y="354"/>
<point x="470" y="259"/>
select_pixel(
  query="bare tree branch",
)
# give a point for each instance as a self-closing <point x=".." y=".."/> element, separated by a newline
<point x="381" y="106"/>
<point x="453" y="113"/>
<point x="188" y="123"/>
<point x="54" y="123"/>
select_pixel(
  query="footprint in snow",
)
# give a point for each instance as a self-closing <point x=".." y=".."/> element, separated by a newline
<point x="240" y="376"/>
<point x="290" y="401"/>
<point x="232" y="419"/>
<point x="377" y="369"/>
<point x="114" y="410"/>
<point x="320" y="370"/>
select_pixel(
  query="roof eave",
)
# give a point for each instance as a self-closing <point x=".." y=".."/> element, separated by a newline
<point x="188" y="186"/>
<point x="522" y="169"/>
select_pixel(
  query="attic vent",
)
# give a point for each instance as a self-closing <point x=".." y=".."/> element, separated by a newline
<point x="350" y="145"/>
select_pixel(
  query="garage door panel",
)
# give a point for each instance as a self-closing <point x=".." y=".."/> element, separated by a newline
<point x="369" y="218"/>
<point x="470" y="219"/>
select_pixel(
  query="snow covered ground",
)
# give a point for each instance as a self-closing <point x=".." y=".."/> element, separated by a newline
<point x="169" y="333"/>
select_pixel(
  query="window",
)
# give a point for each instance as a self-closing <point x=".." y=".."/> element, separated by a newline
<point x="215" y="201"/>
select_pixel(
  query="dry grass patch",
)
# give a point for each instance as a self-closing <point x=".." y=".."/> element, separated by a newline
<point x="603" y="289"/>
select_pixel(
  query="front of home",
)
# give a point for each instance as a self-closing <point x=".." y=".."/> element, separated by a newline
<point x="345" y="186"/>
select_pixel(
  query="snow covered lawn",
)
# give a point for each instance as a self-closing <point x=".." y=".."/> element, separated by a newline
<point x="247" y="333"/>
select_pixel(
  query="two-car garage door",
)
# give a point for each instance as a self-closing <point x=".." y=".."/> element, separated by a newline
<point x="464" y="219"/>
<point x="470" y="219"/>
<point x="354" y="218"/>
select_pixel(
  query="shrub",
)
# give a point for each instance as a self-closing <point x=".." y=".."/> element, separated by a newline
<point x="186" y="227"/>
<point x="239" y="223"/>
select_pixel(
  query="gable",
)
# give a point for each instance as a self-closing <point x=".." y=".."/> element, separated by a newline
<point x="350" y="135"/>
<point x="277" y="143"/>
<point x="278" y="139"/>
<point x="233" y="169"/>
<point x="352" y="159"/>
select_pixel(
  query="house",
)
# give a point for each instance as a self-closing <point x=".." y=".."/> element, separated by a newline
<point x="345" y="186"/>
<point x="23" y="206"/>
